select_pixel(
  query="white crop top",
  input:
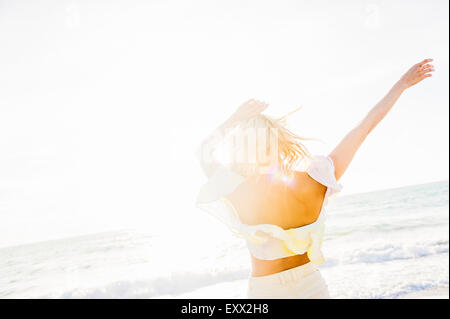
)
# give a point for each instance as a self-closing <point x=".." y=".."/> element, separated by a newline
<point x="268" y="241"/>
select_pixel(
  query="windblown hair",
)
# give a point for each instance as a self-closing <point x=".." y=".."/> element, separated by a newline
<point x="287" y="146"/>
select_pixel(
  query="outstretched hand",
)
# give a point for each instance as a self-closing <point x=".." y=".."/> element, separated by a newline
<point x="417" y="73"/>
<point x="248" y="110"/>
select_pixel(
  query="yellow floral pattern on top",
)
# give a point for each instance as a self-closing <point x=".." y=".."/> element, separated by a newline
<point x="268" y="241"/>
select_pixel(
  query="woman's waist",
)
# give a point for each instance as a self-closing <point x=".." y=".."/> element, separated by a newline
<point x="305" y="274"/>
<point x="303" y="281"/>
<point x="262" y="267"/>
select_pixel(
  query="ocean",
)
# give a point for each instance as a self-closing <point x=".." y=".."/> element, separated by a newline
<point x="384" y="244"/>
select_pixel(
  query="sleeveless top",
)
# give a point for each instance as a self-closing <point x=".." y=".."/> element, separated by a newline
<point x="268" y="241"/>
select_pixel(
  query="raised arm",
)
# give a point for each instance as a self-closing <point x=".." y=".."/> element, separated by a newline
<point x="245" y="111"/>
<point x="343" y="154"/>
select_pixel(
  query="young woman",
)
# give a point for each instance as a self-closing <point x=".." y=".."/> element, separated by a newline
<point x="277" y="209"/>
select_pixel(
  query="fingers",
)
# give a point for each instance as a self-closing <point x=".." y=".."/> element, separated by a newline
<point x="260" y="102"/>
<point x="423" y="75"/>
<point x="264" y="106"/>
<point x="254" y="102"/>
<point x="257" y="105"/>
<point x="420" y="64"/>
<point x="427" y="66"/>
<point x="426" y="69"/>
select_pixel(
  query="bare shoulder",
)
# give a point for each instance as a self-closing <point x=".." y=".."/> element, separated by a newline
<point x="311" y="194"/>
<point x="305" y="185"/>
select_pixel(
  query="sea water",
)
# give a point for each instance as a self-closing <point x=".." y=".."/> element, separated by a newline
<point x="383" y="244"/>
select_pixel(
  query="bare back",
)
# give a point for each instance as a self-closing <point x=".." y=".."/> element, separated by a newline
<point x="288" y="205"/>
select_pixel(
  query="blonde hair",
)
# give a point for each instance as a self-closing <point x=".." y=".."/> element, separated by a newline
<point x="286" y="148"/>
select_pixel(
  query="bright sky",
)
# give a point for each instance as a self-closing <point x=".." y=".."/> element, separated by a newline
<point x="103" y="103"/>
